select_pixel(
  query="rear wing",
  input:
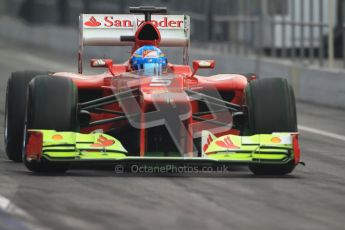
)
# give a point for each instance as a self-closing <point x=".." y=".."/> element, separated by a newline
<point x="106" y="30"/>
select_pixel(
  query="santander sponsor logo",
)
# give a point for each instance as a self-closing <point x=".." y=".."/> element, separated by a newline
<point x="92" y="22"/>
<point x="109" y="21"/>
<point x="103" y="142"/>
<point x="115" y="22"/>
<point x="227" y="143"/>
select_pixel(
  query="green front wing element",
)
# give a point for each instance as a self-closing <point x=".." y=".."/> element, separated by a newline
<point x="261" y="148"/>
<point x="77" y="146"/>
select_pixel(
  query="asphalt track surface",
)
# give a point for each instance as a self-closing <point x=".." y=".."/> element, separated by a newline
<point x="312" y="197"/>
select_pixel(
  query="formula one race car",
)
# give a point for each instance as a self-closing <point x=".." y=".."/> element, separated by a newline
<point x="148" y="110"/>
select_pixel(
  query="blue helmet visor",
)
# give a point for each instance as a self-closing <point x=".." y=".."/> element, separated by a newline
<point x="152" y="69"/>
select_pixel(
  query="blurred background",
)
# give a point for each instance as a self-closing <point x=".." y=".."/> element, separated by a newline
<point x="269" y="37"/>
<point x="310" y="30"/>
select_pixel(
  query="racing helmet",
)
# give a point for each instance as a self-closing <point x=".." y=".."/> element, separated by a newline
<point x="150" y="59"/>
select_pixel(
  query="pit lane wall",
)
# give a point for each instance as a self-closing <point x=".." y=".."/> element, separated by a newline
<point x="311" y="84"/>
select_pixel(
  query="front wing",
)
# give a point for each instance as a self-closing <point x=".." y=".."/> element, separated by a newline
<point x="275" y="148"/>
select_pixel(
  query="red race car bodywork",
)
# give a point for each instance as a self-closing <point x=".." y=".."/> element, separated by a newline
<point x="229" y="87"/>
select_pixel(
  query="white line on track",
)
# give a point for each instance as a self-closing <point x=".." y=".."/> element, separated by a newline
<point x="4" y="203"/>
<point x="321" y="132"/>
<point x="7" y="206"/>
<point x="25" y="218"/>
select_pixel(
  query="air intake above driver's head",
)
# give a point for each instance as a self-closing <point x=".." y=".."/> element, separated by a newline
<point x="148" y="33"/>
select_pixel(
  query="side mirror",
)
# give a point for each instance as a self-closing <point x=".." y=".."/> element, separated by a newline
<point x="202" y="64"/>
<point x="101" y="63"/>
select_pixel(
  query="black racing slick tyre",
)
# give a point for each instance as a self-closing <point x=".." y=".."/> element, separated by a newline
<point x="52" y="104"/>
<point x="15" y="111"/>
<point x="271" y="108"/>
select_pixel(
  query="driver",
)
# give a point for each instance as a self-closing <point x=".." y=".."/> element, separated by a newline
<point x="150" y="59"/>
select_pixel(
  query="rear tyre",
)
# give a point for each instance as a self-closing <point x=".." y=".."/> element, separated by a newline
<point x="271" y="108"/>
<point x="52" y="104"/>
<point x="15" y="112"/>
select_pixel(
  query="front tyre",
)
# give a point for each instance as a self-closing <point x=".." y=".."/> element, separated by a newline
<point x="15" y="112"/>
<point x="52" y="104"/>
<point x="271" y="108"/>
